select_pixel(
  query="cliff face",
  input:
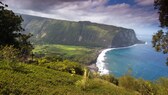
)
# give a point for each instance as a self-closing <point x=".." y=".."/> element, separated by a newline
<point x="85" y="33"/>
<point x="125" y="38"/>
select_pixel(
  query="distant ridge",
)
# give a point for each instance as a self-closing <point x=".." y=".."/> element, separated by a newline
<point x="84" y="33"/>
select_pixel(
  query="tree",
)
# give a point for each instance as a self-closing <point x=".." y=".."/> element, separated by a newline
<point x="160" y="39"/>
<point x="11" y="31"/>
<point x="162" y="6"/>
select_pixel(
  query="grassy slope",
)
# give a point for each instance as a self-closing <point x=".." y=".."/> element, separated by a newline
<point x="37" y="80"/>
<point x="80" y="54"/>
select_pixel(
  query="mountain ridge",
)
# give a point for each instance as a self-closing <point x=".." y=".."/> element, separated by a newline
<point x="82" y="33"/>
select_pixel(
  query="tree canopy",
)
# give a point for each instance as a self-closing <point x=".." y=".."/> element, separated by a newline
<point x="11" y="30"/>
<point x="160" y="39"/>
<point x="162" y="7"/>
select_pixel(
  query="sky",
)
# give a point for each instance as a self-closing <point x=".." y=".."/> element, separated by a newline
<point x="135" y="14"/>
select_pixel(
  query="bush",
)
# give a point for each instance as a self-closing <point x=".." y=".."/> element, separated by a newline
<point x="83" y="83"/>
<point x="54" y="58"/>
<point x="6" y="89"/>
<point x="127" y="82"/>
<point x="130" y="83"/>
<point x="9" y="53"/>
<point x="66" y="66"/>
<point x="163" y="82"/>
<point x="109" y="78"/>
<point x="42" y="61"/>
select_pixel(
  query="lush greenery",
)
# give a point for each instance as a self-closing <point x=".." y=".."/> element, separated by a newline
<point x="54" y="79"/>
<point x="57" y="76"/>
<point x="50" y="73"/>
<point x="84" y="55"/>
<point x="83" y="33"/>
<point x="160" y="39"/>
<point x="10" y="31"/>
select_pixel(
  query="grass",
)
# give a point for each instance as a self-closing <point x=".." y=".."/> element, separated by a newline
<point x="62" y="49"/>
<point x="80" y="54"/>
<point x="45" y="81"/>
<point x="55" y="79"/>
<point x="52" y="76"/>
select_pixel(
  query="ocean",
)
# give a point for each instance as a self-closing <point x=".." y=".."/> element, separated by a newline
<point x="140" y="61"/>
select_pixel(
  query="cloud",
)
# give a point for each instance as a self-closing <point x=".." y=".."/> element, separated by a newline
<point x="97" y="11"/>
<point x="144" y="2"/>
<point x="38" y="5"/>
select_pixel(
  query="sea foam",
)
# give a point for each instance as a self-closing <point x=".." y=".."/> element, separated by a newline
<point x="102" y="68"/>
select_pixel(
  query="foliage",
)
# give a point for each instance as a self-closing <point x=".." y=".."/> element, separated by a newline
<point x="160" y="42"/>
<point x="99" y="86"/>
<point x="160" y="39"/>
<point x="9" y="53"/>
<point x="81" y="54"/>
<point x="161" y="5"/>
<point x="40" y="80"/>
<point x="54" y="58"/>
<point x="110" y="79"/>
<point x="143" y="87"/>
<point x="66" y="66"/>
<point x="83" y="83"/>
<point x="163" y="82"/>
<point x="10" y="30"/>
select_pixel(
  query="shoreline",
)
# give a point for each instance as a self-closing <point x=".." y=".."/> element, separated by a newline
<point x="92" y="66"/>
<point x="99" y="65"/>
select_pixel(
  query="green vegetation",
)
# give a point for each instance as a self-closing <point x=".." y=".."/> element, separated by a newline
<point x="84" y="55"/>
<point x="50" y="73"/>
<point x="9" y="53"/>
<point x="160" y="39"/>
<point x="39" y="80"/>
<point x="82" y="33"/>
<point x="53" y="79"/>
<point x="11" y="31"/>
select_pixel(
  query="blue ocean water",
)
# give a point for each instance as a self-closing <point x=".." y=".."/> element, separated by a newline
<point x="142" y="60"/>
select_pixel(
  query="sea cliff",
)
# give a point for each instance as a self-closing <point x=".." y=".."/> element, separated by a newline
<point x="125" y="38"/>
<point x="82" y="33"/>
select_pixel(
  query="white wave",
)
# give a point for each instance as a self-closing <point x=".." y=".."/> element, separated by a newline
<point x="101" y="64"/>
<point x="102" y="69"/>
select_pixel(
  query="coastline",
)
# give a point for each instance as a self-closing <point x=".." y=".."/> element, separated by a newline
<point x="99" y="65"/>
<point x="92" y="66"/>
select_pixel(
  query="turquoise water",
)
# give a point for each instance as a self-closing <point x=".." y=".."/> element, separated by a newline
<point x="142" y="60"/>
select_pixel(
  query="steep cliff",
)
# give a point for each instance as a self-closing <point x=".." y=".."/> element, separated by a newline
<point x="125" y="38"/>
<point x="85" y="33"/>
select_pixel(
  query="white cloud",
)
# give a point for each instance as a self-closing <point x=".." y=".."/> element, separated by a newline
<point x="145" y="2"/>
<point x="96" y="11"/>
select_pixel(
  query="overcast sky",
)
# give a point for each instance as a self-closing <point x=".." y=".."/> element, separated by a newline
<point x="136" y="14"/>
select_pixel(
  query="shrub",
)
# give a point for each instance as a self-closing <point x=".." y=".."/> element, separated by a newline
<point x="66" y="66"/>
<point x="83" y="83"/>
<point x="109" y="78"/>
<point x="42" y="61"/>
<point x="163" y="82"/>
<point x="9" y="53"/>
<point x="127" y="82"/>
<point x="144" y="87"/>
<point x="130" y="83"/>
<point x="54" y="58"/>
